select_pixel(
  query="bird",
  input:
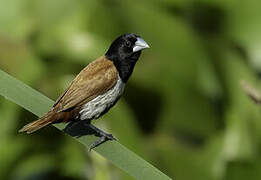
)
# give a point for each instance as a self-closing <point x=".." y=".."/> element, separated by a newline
<point x="96" y="89"/>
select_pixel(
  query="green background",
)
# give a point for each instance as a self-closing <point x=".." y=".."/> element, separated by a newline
<point x="183" y="109"/>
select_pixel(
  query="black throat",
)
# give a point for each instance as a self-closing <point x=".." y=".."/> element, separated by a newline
<point x="124" y="65"/>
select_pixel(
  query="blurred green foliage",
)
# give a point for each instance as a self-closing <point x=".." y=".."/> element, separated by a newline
<point x="183" y="110"/>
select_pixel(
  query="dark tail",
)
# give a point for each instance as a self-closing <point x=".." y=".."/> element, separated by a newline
<point x="38" y="124"/>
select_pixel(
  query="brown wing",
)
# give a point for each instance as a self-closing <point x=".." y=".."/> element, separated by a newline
<point x="95" y="79"/>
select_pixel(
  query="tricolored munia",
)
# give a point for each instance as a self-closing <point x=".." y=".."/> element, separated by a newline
<point x="96" y="88"/>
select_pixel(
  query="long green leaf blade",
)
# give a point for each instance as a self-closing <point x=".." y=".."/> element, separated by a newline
<point x="35" y="102"/>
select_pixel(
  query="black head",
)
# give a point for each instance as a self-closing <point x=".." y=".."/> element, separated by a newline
<point x="124" y="52"/>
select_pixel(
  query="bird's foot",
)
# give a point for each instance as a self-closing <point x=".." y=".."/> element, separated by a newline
<point x="98" y="132"/>
<point x="103" y="137"/>
<point x="97" y="143"/>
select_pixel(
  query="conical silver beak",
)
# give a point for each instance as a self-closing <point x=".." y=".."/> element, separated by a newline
<point x="140" y="44"/>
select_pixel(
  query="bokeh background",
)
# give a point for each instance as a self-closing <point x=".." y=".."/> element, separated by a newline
<point x="183" y="110"/>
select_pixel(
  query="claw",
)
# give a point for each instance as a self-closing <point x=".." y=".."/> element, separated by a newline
<point x="97" y="143"/>
<point x="101" y="140"/>
<point x="110" y="137"/>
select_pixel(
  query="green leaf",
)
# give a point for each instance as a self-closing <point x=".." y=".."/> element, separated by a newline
<point x="38" y="104"/>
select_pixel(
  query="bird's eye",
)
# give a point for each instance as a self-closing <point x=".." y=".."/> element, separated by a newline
<point x="128" y="44"/>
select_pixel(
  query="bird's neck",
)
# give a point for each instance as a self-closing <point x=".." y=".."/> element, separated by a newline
<point x="125" y="66"/>
<point x="125" y="70"/>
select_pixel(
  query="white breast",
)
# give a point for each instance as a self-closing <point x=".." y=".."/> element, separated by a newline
<point x="96" y="107"/>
